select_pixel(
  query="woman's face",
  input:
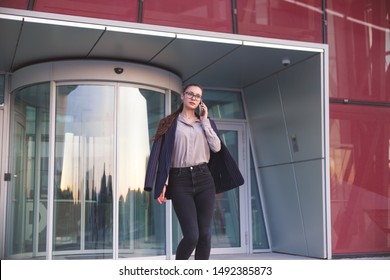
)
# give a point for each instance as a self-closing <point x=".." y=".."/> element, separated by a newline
<point x="192" y="97"/>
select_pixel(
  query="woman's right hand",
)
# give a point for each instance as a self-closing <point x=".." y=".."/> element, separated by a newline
<point x="162" y="197"/>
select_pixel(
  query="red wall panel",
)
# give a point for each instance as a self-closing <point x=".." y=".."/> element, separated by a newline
<point x="359" y="52"/>
<point x="14" y="4"/>
<point x="360" y="178"/>
<point x="359" y="49"/>
<point x="293" y="20"/>
<point x="200" y="14"/>
<point x="123" y="10"/>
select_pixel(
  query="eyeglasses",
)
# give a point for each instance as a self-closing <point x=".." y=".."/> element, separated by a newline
<point x="192" y="95"/>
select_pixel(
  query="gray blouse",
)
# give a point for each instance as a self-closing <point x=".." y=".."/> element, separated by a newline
<point x="193" y="143"/>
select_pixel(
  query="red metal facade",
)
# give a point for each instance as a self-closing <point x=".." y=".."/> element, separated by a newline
<point x="200" y="14"/>
<point x="292" y="20"/>
<point x="123" y="10"/>
<point x="15" y="4"/>
<point x="359" y="48"/>
<point x="359" y="51"/>
<point x="358" y="34"/>
<point x="360" y="178"/>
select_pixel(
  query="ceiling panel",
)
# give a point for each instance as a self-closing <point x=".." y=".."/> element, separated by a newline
<point x="129" y="47"/>
<point x="188" y="57"/>
<point x="44" y="42"/>
<point x="9" y="33"/>
<point x="247" y="65"/>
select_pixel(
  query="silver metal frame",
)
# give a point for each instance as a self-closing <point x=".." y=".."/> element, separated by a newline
<point x="4" y="151"/>
<point x="244" y="192"/>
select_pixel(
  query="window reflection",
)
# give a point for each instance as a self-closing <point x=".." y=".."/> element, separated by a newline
<point x="102" y="151"/>
<point x="175" y="101"/>
<point x="84" y="165"/>
<point x="224" y="104"/>
<point x="359" y="178"/>
<point x="141" y="219"/>
<point x="221" y="104"/>
<point x="27" y="214"/>
<point x="259" y="239"/>
<point x="226" y="218"/>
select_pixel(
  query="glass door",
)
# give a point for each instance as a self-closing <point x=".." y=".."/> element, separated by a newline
<point x="27" y="196"/>
<point x="77" y="159"/>
<point x="229" y="226"/>
<point x="230" y="229"/>
<point x="84" y="170"/>
<point x="103" y="134"/>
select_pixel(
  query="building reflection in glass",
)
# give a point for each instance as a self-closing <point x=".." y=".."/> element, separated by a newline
<point x="102" y="147"/>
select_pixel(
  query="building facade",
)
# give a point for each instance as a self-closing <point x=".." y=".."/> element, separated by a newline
<point x="300" y="91"/>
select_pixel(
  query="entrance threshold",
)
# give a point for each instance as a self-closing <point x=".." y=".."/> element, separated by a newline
<point x="260" y="256"/>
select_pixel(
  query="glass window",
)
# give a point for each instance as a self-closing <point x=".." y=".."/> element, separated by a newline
<point x="175" y="101"/>
<point x="26" y="215"/>
<point x="226" y="218"/>
<point x="259" y="240"/>
<point x="223" y="104"/>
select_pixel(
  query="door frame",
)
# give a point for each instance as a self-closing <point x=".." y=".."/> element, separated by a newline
<point x="244" y="193"/>
<point x="2" y="182"/>
<point x="4" y="164"/>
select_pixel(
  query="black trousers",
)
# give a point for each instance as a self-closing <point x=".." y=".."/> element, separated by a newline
<point x="192" y="191"/>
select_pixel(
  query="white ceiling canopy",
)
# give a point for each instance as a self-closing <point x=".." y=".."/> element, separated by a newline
<point x="210" y="58"/>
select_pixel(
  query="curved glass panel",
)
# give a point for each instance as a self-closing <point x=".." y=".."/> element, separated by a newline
<point x="102" y="139"/>
<point x="175" y="101"/>
<point x="84" y="169"/>
<point x="27" y="199"/>
<point x="101" y="155"/>
<point x="141" y="218"/>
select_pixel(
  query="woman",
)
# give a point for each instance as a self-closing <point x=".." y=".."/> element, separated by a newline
<point x="192" y="166"/>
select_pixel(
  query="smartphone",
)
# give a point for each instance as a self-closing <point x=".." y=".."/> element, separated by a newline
<point x="201" y="112"/>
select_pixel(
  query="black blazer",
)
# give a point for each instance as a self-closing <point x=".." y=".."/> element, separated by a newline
<point x="222" y="165"/>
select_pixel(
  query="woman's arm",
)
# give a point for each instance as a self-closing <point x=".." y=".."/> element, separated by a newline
<point x="211" y="136"/>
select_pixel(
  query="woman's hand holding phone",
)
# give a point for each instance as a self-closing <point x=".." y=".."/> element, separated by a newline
<point x="202" y="110"/>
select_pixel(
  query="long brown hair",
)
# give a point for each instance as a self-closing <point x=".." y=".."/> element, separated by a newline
<point x="166" y="122"/>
